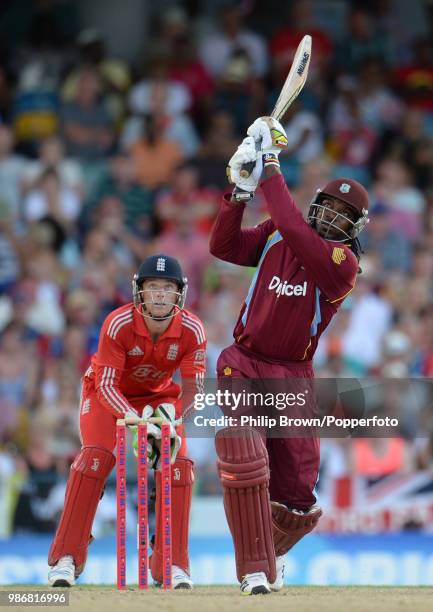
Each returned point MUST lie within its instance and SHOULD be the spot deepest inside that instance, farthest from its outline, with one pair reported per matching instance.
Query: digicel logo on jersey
(283, 288)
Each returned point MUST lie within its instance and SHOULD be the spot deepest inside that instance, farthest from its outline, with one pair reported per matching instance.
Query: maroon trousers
(293, 461)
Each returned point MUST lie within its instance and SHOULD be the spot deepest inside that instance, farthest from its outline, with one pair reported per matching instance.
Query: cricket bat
(292, 87)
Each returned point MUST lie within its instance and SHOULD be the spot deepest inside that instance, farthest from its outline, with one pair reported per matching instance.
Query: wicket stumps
(143, 516)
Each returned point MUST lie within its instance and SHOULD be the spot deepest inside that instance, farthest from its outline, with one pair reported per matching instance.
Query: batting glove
(269, 137)
(246, 153)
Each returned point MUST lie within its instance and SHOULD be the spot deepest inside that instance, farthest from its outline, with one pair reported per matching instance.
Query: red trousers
(98, 425)
(293, 462)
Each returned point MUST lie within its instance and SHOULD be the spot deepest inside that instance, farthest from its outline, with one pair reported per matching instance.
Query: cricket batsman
(304, 271)
(141, 345)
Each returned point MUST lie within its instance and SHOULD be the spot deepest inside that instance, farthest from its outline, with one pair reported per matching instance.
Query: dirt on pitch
(219, 598)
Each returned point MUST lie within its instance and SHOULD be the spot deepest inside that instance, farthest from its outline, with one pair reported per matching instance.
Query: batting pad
(290, 526)
(243, 469)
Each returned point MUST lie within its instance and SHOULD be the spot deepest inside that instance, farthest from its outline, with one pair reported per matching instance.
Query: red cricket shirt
(129, 369)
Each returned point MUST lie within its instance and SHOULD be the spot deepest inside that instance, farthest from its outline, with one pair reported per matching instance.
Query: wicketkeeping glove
(245, 153)
(269, 136)
(167, 412)
(153, 433)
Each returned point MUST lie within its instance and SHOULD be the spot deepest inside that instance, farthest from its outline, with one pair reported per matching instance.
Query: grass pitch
(217, 598)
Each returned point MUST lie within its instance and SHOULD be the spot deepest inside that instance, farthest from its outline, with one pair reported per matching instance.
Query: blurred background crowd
(105, 159)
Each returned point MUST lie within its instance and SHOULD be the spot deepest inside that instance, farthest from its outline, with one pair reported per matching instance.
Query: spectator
(75, 354)
(9, 254)
(155, 157)
(51, 157)
(57, 409)
(109, 217)
(238, 93)
(352, 139)
(299, 20)
(87, 126)
(414, 81)
(396, 353)
(171, 100)
(361, 41)
(424, 342)
(192, 251)
(12, 168)
(18, 369)
(33, 511)
(219, 48)
(81, 311)
(113, 72)
(373, 312)
(119, 181)
(5, 95)
(185, 193)
(51, 199)
(394, 187)
(45, 314)
(409, 142)
(304, 134)
(186, 68)
(391, 246)
(379, 107)
(313, 175)
(218, 146)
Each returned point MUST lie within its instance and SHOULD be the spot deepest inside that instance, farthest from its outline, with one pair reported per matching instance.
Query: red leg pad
(83, 492)
(243, 469)
(182, 479)
(290, 526)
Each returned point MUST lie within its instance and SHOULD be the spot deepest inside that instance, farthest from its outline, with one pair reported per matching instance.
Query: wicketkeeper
(141, 345)
(304, 270)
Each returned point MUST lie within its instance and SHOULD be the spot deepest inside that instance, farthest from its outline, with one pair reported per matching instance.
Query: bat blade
(292, 87)
(296, 78)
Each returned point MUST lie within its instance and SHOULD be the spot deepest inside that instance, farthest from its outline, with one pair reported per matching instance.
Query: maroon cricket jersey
(300, 281)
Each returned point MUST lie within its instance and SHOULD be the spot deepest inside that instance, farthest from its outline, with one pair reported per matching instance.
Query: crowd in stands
(103, 162)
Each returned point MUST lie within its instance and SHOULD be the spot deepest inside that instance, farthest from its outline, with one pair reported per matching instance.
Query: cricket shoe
(279, 580)
(63, 573)
(179, 579)
(255, 584)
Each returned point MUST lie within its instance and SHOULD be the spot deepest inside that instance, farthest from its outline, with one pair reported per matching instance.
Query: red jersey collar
(174, 330)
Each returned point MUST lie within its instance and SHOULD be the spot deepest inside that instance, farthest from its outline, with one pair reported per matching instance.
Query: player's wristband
(242, 196)
(270, 159)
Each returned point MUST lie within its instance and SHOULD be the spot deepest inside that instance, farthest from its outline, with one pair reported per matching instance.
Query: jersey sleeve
(332, 265)
(109, 364)
(193, 368)
(231, 243)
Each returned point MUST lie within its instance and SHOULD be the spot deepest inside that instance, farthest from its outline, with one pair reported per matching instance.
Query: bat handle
(247, 169)
(249, 166)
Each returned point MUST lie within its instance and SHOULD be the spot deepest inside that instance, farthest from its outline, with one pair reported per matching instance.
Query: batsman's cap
(349, 191)
(161, 266)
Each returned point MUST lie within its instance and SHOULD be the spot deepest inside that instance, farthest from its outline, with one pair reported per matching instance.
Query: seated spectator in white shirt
(217, 49)
(50, 199)
(52, 157)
